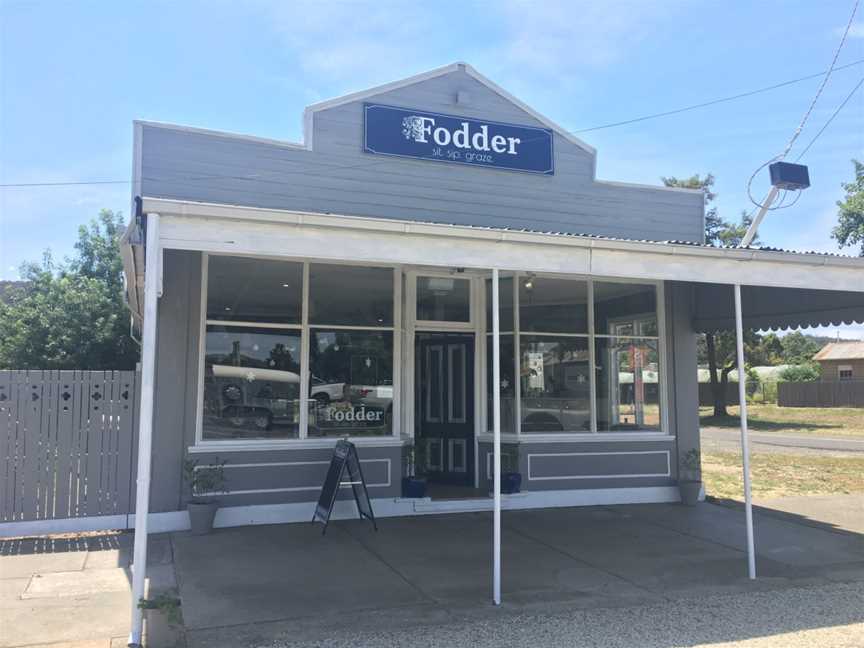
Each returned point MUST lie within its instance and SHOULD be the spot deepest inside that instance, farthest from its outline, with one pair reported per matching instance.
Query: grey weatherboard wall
(175, 417)
(176, 414)
(337, 177)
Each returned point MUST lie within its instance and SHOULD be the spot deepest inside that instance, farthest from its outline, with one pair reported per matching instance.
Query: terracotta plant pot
(201, 516)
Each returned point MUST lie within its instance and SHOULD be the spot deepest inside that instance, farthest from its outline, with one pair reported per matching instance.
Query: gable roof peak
(458, 66)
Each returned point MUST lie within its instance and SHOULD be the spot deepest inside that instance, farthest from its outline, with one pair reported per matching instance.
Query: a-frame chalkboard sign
(344, 456)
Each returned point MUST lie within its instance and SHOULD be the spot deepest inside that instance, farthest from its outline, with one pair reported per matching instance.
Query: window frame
(304, 327)
(663, 433)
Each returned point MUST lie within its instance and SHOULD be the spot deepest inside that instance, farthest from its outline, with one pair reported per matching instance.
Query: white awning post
(496, 443)
(152, 283)
(745, 444)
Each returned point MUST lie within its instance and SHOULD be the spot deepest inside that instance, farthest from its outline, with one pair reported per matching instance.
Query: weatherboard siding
(337, 177)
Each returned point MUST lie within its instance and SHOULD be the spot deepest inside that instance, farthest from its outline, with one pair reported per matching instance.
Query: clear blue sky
(73, 76)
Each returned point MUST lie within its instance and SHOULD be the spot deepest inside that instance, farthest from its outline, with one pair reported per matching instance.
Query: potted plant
(412, 484)
(690, 477)
(511, 478)
(203, 482)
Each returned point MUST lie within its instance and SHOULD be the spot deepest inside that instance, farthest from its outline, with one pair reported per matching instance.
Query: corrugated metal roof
(522, 230)
(841, 351)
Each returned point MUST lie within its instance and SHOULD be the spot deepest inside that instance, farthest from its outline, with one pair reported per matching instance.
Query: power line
(64, 184)
(742, 95)
(831, 118)
(721, 100)
(782, 156)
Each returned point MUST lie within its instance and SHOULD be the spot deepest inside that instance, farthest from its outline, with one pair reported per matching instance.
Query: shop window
(351, 385)
(628, 384)
(251, 383)
(443, 299)
(505, 304)
(552, 305)
(508, 384)
(555, 384)
(625, 309)
(342, 295)
(254, 290)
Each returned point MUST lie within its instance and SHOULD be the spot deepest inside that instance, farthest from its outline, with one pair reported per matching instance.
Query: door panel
(445, 406)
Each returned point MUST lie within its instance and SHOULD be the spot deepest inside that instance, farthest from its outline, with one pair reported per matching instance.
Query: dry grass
(820, 421)
(779, 475)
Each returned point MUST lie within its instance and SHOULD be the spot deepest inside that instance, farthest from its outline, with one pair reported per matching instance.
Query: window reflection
(555, 384)
(345, 295)
(508, 384)
(618, 306)
(553, 305)
(628, 394)
(254, 290)
(351, 386)
(251, 383)
(443, 299)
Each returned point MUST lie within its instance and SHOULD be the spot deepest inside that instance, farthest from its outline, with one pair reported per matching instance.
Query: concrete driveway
(289, 585)
(254, 586)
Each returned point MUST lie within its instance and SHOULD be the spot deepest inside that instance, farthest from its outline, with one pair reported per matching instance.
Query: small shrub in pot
(690, 477)
(203, 482)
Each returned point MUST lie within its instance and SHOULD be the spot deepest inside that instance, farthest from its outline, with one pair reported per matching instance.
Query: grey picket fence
(67, 444)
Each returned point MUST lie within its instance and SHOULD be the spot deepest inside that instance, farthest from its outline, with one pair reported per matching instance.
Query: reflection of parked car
(324, 392)
(255, 396)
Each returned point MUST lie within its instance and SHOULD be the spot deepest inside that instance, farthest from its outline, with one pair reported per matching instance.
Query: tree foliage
(850, 226)
(718, 231)
(71, 315)
(801, 373)
(718, 349)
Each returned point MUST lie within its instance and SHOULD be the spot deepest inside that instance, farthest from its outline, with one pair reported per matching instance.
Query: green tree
(799, 348)
(850, 226)
(719, 347)
(71, 315)
(801, 373)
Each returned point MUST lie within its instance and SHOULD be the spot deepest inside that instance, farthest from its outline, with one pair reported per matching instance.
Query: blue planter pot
(413, 487)
(511, 482)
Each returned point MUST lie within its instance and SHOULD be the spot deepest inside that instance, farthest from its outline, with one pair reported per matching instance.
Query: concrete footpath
(630, 567)
(74, 591)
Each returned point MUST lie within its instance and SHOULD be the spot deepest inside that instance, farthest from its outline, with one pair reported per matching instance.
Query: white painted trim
(210, 447)
(333, 222)
(583, 437)
(295, 489)
(254, 514)
(667, 453)
(64, 525)
(639, 185)
(153, 260)
(218, 133)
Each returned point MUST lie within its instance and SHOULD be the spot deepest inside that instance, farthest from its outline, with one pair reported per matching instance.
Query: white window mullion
(304, 357)
(592, 359)
(396, 406)
(517, 353)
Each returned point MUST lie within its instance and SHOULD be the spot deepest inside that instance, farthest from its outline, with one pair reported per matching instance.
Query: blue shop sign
(460, 140)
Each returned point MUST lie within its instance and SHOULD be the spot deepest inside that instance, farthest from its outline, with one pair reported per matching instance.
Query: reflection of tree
(334, 364)
(282, 358)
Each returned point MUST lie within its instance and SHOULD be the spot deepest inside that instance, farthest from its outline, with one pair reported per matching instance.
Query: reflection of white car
(324, 392)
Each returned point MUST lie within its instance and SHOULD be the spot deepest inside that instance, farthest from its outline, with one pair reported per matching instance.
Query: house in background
(841, 361)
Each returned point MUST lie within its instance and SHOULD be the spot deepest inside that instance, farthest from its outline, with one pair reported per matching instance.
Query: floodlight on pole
(784, 176)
